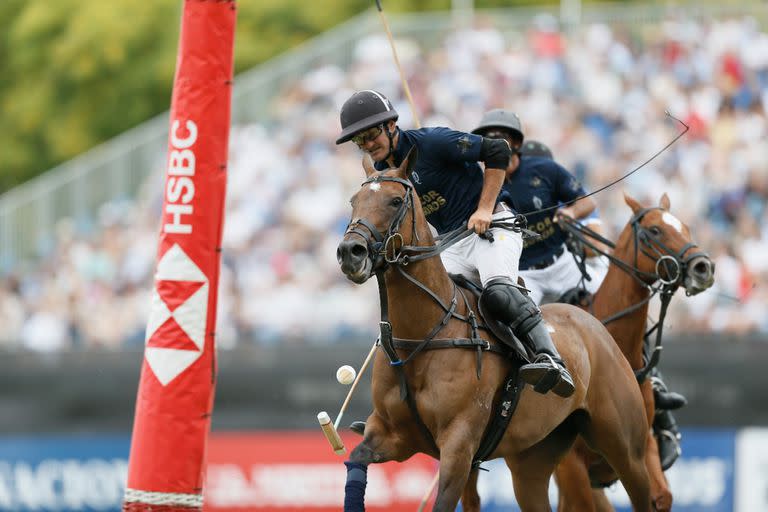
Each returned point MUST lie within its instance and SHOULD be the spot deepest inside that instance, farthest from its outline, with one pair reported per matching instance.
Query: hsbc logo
(177, 320)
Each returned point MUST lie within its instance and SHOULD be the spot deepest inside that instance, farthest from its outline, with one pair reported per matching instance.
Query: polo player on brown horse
(654, 255)
(441, 401)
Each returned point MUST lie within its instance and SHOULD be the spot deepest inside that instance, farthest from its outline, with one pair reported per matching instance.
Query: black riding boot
(667, 437)
(665, 399)
(664, 425)
(509, 305)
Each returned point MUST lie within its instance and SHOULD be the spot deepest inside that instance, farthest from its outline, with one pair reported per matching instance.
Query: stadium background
(77, 244)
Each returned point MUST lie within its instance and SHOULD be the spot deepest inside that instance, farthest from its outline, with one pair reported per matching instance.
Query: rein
(674, 263)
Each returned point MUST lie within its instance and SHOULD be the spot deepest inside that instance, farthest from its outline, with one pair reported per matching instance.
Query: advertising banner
(752, 470)
(299, 471)
(291, 471)
(66, 474)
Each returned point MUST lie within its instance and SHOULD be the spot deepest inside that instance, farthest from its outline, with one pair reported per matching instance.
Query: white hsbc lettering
(180, 189)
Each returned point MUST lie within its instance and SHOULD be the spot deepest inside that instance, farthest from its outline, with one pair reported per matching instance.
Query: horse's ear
(409, 162)
(632, 203)
(368, 165)
(664, 201)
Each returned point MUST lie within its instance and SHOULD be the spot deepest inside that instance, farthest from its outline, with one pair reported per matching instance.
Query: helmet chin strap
(390, 136)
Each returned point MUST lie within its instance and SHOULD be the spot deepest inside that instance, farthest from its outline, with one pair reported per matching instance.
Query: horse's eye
(655, 231)
(397, 201)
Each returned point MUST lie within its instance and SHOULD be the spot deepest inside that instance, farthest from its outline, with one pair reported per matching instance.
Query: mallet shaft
(354, 385)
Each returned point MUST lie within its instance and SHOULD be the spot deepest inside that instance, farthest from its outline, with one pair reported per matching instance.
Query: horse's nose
(351, 253)
(703, 269)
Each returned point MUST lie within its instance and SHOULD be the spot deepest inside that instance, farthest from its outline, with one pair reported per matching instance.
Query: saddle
(497, 328)
(512, 385)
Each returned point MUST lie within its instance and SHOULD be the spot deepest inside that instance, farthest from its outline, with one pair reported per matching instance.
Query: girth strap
(484, 345)
(502, 414)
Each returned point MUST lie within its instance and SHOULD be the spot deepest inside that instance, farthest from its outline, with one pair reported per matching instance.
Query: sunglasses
(367, 136)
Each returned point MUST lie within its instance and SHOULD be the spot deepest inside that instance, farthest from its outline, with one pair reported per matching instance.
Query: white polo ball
(345, 374)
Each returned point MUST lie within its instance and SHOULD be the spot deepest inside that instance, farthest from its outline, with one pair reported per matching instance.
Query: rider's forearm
(493, 179)
(583, 207)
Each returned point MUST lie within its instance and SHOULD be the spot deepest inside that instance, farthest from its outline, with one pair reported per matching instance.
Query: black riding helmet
(499, 118)
(536, 148)
(364, 110)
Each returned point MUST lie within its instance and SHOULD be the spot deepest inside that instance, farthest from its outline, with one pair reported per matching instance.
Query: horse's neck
(620, 292)
(412, 312)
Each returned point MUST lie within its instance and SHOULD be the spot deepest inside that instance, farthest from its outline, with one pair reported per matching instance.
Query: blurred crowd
(596, 95)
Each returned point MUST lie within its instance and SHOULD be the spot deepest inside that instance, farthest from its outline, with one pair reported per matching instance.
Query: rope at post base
(149, 501)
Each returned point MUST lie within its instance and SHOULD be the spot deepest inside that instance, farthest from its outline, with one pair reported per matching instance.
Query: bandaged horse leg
(381, 444)
(354, 490)
(502, 299)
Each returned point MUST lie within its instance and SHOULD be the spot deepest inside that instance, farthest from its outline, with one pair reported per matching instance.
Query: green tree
(74, 73)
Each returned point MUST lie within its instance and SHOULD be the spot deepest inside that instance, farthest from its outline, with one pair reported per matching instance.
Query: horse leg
(532, 468)
(470, 498)
(621, 439)
(456, 451)
(601, 501)
(379, 445)
(574, 488)
(660, 493)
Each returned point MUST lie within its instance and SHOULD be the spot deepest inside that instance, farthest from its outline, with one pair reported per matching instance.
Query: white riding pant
(548, 284)
(479, 260)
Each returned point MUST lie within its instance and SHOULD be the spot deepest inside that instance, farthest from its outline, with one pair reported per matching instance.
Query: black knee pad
(509, 305)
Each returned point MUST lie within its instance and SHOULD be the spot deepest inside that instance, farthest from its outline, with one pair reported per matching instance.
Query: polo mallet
(397, 63)
(331, 429)
(416, 122)
(429, 492)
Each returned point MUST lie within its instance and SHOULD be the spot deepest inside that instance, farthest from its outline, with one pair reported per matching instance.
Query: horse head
(385, 203)
(660, 247)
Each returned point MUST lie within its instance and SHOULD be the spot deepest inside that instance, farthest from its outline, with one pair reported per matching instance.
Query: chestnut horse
(441, 401)
(654, 253)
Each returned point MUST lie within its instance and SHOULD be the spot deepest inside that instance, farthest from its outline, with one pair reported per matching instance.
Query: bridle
(384, 249)
(669, 270)
(673, 263)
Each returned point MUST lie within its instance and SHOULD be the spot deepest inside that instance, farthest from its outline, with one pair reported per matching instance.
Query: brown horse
(655, 248)
(450, 398)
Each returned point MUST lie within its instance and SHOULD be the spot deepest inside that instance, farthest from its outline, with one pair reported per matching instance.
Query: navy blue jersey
(447, 176)
(540, 183)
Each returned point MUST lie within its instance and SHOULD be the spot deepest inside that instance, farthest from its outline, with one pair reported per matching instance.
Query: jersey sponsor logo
(537, 202)
(464, 144)
(545, 228)
(432, 201)
(176, 328)
(535, 181)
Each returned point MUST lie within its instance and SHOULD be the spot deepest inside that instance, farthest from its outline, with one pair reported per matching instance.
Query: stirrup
(545, 374)
(669, 447)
